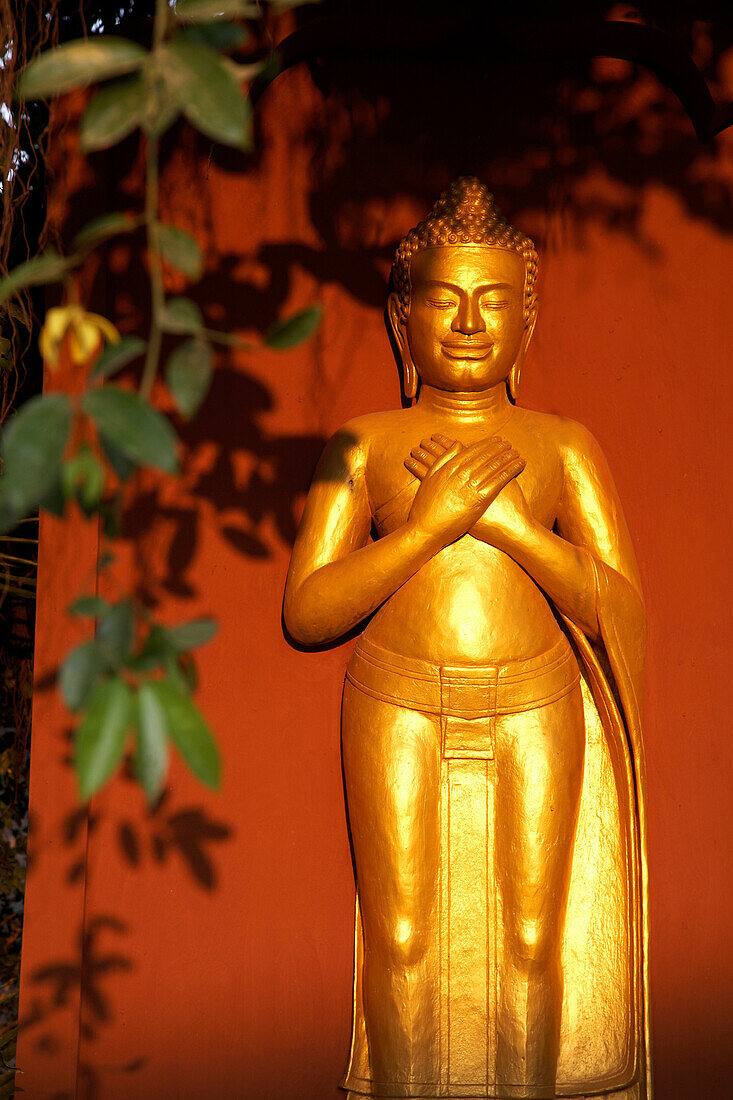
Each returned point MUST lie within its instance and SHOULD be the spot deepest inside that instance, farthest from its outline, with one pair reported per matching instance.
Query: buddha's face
(466, 321)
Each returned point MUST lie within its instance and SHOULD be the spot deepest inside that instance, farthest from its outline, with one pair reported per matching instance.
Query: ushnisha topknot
(465, 213)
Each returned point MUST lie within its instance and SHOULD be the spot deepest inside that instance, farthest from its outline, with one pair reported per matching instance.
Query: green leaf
(134, 426)
(102, 228)
(82, 479)
(188, 375)
(116, 356)
(120, 463)
(181, 250)
(100, 739)
(162, 105)
(159, 120)
(188, 730)
(219, 36)
(46, 268)
(271, 68)
(53, 499)
(151, 757)
(230, 340)
(32, 445)
(192, 634)
(115, 111)
(208, 93)
(115, 632)
(201, 11)
(83, 61)
(89, 605)
(183, 678)
(294, 330)
(79, 673)
(156, 650)
(181, 315)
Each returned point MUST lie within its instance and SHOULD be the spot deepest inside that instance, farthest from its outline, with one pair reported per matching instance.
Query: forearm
(336, 596)
(564, 571)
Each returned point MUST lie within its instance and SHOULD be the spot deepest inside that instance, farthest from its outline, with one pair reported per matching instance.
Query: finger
(481, 446)
(448, 456)
(503, 476)
(443, 440)
(423, 456)
(473, 456)
(434, 448)
(419, 469)
(492, 465)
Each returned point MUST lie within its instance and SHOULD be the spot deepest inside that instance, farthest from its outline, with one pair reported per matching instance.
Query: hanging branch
(132, 685)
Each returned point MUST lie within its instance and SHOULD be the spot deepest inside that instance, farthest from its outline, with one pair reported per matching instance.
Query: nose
(468, 319)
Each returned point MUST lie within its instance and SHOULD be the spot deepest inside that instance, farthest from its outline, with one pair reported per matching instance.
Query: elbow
(300, 622)
(295, 623)
(302, 632)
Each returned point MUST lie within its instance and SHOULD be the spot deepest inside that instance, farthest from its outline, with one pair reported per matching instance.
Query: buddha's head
(463, 305)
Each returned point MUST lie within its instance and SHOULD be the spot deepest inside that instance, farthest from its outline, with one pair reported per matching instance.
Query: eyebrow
(460, 290)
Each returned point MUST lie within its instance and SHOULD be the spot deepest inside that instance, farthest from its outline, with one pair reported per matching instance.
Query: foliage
(131, 685)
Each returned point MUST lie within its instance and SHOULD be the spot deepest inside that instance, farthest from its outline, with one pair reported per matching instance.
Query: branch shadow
(538, 133)
(248, 482)
(86, 977)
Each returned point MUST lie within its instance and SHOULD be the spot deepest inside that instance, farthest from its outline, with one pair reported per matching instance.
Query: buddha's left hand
(506, 518)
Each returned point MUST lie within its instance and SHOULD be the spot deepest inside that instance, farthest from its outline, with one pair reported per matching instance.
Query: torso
(471, 604)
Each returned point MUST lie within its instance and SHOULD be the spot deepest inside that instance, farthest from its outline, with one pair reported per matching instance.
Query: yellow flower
(85, 333)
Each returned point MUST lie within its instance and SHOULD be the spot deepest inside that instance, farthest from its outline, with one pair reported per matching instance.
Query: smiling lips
(475, 349)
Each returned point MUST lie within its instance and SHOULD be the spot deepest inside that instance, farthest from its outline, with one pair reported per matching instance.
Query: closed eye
(492, 304)
(440, 303)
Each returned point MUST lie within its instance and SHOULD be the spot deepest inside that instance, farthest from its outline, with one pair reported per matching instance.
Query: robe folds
(604, 1038)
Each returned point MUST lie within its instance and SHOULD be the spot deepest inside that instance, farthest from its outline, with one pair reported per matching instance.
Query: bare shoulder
(569, 439)
(373, 428)
(348, 450)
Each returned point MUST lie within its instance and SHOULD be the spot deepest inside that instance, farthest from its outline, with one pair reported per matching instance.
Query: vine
(131, 685)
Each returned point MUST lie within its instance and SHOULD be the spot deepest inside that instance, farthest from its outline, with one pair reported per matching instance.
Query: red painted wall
(213, 939)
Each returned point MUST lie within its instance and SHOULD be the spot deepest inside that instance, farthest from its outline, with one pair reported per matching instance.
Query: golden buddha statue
(491, 739)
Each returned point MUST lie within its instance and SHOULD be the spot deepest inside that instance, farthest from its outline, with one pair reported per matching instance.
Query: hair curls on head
(465, 213)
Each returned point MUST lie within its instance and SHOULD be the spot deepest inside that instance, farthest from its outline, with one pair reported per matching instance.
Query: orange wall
(216, 959)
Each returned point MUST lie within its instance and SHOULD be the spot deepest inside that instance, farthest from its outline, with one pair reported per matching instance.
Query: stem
(152, 181)
(229, 340)
(157, 293)
(160, 26)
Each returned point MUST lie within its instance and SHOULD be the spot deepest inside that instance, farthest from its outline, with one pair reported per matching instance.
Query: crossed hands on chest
(468, 489)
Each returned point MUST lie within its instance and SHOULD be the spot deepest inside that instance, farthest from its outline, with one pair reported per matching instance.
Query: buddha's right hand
(457, 487)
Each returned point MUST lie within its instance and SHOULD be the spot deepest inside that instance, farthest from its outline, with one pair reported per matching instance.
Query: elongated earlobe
(515, 374)
(409, 373)
(409, 377)
(513, 380)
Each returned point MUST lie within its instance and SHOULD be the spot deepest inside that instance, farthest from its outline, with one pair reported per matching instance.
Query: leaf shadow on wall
(252, 483)
(585, 143)
(183, 836)
(84, 978)
(582, 138)
(523, 102)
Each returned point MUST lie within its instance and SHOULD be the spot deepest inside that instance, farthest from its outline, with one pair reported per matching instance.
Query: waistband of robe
(463, 691)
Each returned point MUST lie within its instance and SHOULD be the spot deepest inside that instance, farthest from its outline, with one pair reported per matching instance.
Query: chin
(467, 380)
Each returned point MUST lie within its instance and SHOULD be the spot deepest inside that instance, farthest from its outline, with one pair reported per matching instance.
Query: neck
(491, 404)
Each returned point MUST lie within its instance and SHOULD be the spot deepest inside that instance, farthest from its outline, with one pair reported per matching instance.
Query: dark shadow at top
(425, 95)
(528, 104)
